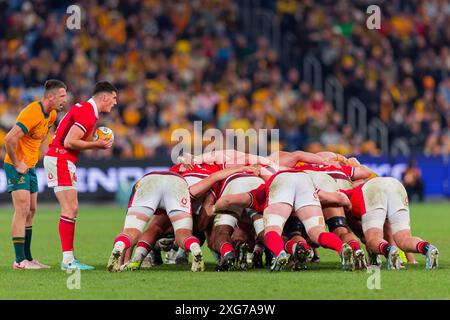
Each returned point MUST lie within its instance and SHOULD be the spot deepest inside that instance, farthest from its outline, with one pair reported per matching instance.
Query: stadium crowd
(179, 61)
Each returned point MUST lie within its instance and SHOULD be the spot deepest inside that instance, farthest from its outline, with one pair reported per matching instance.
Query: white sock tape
(225, 219)
(313, 222)
(274, 220)
(258, 225)
(185, 223)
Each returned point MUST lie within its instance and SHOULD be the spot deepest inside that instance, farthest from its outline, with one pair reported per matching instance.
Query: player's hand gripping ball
(103, 133)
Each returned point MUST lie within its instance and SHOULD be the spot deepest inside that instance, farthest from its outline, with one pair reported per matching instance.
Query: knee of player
(71, 211)
(32, 211)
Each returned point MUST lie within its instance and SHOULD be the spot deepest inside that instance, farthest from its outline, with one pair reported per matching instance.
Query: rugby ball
(103, 133)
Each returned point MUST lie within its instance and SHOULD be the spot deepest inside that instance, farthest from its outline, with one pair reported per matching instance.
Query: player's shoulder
(32, 112)
(32, 107)
(82, 105)
(83, 109)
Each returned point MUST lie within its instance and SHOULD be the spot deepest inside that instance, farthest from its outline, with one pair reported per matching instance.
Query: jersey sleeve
(348, 171)
(215, 189)
(175, 168)
(28, 119)
(83, 118)
(258, 198)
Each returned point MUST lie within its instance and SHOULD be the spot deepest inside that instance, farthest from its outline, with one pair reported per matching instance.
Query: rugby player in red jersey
(325, 178)
(384, 199)
(70, 138)
(257, 200)
(169, 191)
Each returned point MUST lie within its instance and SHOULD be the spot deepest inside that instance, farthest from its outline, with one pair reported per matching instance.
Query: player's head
(105, 95)
(56, 94)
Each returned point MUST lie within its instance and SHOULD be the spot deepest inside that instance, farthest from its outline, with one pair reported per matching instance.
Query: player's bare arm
(242, 200)
(74, 141)
(361, 172)
(199, 188)
(11, 141)
(334, 199)
(290, 159)
(229, 158)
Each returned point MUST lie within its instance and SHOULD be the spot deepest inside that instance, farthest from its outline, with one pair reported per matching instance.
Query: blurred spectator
(180, 61)
(412, 180)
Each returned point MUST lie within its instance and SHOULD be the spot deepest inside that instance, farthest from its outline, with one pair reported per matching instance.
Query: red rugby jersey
(84, 115)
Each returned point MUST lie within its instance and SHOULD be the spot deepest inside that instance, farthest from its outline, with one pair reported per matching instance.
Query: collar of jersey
(43, 111)
(94, 105)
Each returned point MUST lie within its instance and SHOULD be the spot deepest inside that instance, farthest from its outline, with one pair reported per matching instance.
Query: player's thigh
(322, 181)
(375, 194)
(398, 207)
(242, 184)
(21, 201)
(61, 173)
(15, 180)
(148, 192)
(282, 189)
(68, 199)
(373, 219)
(175, 195)
(305, 193)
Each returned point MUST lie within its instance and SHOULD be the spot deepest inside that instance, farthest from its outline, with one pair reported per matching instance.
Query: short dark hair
(104, 86)
(52, 84)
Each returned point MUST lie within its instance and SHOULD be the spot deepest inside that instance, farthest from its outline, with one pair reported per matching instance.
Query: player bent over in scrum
(169, 191)
(323, 178)
(274, 223)
(384, 198)
(290, 190)
(226, 221)
(155, 190)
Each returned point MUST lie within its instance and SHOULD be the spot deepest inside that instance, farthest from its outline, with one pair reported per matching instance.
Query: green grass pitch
(97, 227)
